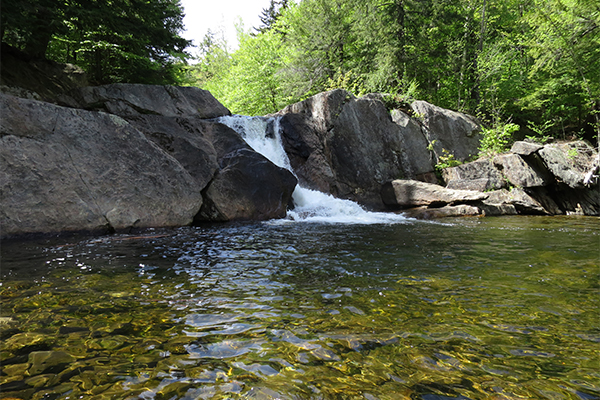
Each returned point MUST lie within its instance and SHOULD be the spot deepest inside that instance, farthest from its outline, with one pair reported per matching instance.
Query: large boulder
(349, 147)
(247, 187)
(523, 171)
(449, 131)
(481, 175)
(70, 170)
(569, 162)
(130, 100)
(184, 139)
(237, 183)
(67, 169)
(417, 160)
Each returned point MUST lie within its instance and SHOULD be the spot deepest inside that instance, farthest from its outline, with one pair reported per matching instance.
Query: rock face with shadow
(129, 156)
(349, 147)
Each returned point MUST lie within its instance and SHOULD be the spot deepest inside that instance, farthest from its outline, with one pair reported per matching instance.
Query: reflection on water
(504, 308)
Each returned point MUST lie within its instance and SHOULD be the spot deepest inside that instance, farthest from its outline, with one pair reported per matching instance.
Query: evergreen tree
(120, 40)
(270, 15)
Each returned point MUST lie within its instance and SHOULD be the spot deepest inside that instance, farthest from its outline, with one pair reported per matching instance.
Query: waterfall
(263, 135)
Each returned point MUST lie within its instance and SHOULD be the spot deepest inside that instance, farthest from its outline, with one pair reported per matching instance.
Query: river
(331, 302)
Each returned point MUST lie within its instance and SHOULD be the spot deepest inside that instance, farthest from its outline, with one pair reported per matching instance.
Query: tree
(564, 44)
(271, 15)
(118, 40)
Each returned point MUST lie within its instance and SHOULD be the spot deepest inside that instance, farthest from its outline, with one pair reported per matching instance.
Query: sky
(220, 15)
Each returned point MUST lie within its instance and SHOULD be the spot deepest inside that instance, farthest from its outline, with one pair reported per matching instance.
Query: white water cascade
(263, 135)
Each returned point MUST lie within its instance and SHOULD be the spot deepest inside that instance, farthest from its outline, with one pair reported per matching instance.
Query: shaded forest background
(524, 67)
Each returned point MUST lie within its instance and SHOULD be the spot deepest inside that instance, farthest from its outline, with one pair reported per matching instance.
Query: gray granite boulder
(568, 162)
(130, 100)
(457, 133)
(481, 175)
(343, 146)
(68, 170)
(524, 172)
(350, 147)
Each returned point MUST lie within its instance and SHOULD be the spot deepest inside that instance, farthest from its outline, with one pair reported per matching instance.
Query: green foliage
(496, 139)
(114, 41)
(251, 80)
(532, 61)
(541, 131)
(446, 160)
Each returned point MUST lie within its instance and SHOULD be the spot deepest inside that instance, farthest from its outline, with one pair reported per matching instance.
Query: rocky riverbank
(530, 179)
(124, 156)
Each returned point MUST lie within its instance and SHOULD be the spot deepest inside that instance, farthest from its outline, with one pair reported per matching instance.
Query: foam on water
(263, 135)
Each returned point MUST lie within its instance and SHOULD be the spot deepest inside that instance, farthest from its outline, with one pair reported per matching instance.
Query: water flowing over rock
(67, 169)
(349, 147)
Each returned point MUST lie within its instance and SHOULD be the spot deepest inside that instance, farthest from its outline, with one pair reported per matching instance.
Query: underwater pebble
(42, 361)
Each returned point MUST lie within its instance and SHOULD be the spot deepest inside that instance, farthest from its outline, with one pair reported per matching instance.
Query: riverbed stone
(48, 361)
(25, 342)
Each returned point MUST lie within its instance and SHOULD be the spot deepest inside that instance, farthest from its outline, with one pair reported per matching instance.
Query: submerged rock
(48, 361)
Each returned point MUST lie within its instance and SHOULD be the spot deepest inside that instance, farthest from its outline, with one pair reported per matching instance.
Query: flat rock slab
(410, 193)
(461, 210)
(525, 148)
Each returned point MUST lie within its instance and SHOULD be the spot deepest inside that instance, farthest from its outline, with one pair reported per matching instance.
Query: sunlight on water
(495, 308)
